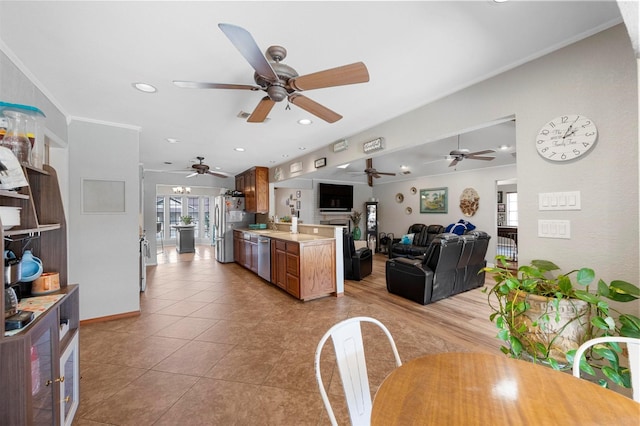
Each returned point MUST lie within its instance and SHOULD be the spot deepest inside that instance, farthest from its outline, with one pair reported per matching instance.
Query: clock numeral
(539, 141)
(586, 145)
(564, 156)
(544, 132)
(544, 149)
(576, 152)
(590, 133)
(552, 124)
(565, 119)
(586, 124)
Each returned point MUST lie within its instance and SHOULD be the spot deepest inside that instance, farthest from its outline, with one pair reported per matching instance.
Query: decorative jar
(16, 138)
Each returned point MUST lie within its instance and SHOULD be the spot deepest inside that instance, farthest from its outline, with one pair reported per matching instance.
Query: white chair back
(349, 349)
(633, 347)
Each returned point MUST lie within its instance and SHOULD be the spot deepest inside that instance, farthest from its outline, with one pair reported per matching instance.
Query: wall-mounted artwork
(103, 196)
(433, 200)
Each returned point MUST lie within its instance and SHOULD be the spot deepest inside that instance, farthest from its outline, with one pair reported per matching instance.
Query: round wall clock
(566, 137)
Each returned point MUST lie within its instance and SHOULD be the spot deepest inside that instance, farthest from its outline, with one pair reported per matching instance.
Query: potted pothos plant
(544, 317)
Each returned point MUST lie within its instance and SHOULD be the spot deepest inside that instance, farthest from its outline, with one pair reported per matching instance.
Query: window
(193, 210)
(170, 208)
(512, 209)
(175, 212)
(159, 217)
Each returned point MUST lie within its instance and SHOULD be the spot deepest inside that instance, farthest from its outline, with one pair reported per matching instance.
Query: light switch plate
(559, 200)
(554, 229)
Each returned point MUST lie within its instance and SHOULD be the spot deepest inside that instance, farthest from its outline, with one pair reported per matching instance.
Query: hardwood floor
(462, 320)
(217, 345)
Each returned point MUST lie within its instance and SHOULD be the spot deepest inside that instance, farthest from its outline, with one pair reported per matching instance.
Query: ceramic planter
(559, 329)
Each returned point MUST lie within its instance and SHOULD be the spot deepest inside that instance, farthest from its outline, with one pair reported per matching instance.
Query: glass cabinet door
(42, 388)
(70, 383)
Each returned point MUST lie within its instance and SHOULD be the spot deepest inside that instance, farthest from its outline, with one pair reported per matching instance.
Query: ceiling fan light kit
(279, 80)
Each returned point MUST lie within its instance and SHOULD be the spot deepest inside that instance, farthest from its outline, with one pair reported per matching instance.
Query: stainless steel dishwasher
(264, 258)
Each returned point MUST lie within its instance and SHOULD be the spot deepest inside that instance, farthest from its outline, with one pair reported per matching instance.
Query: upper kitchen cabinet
(254, 183)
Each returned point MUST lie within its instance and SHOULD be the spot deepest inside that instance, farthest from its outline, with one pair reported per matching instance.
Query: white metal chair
(347, 342)
(633, 346)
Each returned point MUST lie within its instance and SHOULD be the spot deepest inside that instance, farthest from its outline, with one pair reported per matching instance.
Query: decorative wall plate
(469, 202)
(413, 190)
(399, 198)
(408, 210)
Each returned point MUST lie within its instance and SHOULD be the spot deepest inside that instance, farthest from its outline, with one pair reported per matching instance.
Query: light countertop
(285, 235)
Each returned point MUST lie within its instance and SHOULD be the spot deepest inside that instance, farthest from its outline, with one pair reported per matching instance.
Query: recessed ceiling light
(403, 167)
(285, 155)
(343, 166)
(504, 147)
(168, 162)
(239, 149)
(272, 161)
(218, 168)
(304, 121)
(301, 148)
(145, 87)
(172, 140)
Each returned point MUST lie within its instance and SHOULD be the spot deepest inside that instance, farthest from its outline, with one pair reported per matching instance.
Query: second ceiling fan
(279, 80)
(460, 154)
(373, 173)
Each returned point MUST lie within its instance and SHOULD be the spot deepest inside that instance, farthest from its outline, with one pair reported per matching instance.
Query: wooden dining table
(476, 388)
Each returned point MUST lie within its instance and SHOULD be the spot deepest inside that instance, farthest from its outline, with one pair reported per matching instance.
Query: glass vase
(356, 233)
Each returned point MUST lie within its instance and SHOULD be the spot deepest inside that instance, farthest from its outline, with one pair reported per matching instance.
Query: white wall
(309, 212)
(103, 248)
(596, 77)
(392, 216)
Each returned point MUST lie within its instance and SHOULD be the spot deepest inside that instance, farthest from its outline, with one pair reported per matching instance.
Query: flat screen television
(337, 198)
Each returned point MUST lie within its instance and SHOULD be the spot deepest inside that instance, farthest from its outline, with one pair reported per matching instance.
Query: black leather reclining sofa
(423, 235)
(451, 265)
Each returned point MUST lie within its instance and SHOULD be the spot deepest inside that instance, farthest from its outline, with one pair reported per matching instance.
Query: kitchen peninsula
(302, 264)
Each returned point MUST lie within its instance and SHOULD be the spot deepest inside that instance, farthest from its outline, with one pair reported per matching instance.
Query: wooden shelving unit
(39, 368)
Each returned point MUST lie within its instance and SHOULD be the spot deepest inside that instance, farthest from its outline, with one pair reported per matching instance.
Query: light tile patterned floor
(217, 345)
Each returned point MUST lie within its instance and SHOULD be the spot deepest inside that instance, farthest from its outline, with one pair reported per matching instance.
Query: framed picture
(320, 162)
(298, 204)
(502, 208)
(434, 200)
(499, 197)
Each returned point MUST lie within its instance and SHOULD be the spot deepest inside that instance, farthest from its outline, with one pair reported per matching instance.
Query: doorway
(507, 220)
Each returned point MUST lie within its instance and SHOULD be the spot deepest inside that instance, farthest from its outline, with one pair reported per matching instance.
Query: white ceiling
(85, 56)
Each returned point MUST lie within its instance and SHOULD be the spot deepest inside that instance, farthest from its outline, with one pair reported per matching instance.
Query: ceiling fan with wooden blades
(373, 173)
(281, 81)
(203, 169)
(460, 154)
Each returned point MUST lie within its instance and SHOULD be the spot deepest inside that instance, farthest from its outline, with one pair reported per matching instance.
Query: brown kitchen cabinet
(39, 369)
(238, 247)
(306, 270)
(254, 183)
(245, 250)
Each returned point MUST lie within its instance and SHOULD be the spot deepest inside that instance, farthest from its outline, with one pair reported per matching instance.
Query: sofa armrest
(362, 253)
(408, 261)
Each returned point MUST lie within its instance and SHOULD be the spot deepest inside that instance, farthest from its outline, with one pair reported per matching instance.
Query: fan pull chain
(288, 107)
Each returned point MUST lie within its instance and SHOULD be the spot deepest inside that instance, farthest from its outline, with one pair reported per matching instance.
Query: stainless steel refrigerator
(228, 214)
